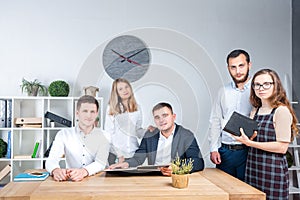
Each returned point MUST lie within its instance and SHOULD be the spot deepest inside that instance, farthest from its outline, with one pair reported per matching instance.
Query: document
(33, 176)
(138, 169)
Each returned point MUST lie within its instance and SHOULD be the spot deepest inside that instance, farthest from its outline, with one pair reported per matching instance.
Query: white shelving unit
(24, 139)
(294, 171)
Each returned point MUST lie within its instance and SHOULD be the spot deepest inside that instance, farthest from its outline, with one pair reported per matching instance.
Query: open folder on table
(138, 169)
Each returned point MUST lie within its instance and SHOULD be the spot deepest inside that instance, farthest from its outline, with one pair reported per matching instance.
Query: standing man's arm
(215, 129)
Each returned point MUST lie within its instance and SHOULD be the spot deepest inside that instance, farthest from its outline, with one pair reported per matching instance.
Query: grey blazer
(184, 145)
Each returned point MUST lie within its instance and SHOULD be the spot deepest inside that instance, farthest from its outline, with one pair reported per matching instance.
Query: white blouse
(124, 132)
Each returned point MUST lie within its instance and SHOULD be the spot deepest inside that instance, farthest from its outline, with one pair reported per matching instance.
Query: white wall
(189, 41)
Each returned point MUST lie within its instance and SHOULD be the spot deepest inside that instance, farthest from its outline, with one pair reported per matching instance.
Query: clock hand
(125, 58)
(120, 55)
(131, 61)
(135, 53)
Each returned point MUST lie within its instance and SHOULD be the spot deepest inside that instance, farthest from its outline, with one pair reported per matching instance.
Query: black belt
(234, 146)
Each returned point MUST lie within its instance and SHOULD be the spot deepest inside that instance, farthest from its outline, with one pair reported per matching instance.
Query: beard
(244, 78)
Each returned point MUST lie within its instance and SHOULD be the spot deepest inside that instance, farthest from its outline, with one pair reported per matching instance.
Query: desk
(202, 185)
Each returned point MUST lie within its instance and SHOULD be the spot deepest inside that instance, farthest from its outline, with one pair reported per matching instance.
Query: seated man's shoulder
(182, 130)
(151, 133)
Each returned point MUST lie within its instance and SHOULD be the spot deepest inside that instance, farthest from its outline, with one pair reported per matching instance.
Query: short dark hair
(87, 99)
(161, 105)
(235, 53)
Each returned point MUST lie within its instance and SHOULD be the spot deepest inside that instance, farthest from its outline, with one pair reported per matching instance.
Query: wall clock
(126, 56)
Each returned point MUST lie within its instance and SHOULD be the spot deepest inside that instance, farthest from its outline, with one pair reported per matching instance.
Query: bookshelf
(23, 139)
(294, 170)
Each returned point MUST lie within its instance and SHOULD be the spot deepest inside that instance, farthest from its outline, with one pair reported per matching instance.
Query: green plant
(97, 121)
(182, 166)
(59, 88)
(289, 159)
(3, 148)
(33, 87)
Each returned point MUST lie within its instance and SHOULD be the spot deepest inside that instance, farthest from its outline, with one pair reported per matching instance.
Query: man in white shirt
(228, 154)
(165, 143)
(84, 146)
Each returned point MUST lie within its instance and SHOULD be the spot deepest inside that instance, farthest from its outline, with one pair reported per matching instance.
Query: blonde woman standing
(123, 123)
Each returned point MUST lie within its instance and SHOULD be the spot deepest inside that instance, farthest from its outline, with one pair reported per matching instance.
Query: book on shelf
(5, 171)
(35, 152)
(8, 153)
(24, 156)
(36, 149)
(30, 126)
(32, 176)
(28, 122)
(9, 112)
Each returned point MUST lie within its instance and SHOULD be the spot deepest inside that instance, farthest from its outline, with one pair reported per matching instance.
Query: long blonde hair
(278, 97)
(115, 102)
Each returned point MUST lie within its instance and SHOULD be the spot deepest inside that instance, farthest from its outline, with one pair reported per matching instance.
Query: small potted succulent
(33, 88)
(97, 121)
(59, 88)
(180, 172)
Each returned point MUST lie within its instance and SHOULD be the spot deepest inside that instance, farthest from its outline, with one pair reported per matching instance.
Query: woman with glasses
(267, 168)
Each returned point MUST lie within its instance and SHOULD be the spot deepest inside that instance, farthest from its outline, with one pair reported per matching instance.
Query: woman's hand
(151, 128)
(243, 138)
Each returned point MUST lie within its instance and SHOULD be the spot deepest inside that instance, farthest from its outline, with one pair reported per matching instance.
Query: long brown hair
(115, 103)
(278, 97)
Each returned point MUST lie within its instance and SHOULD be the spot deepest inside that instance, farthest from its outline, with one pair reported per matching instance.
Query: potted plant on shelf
(97, 121)
(33, 87)
(59, 88)
(180, 172)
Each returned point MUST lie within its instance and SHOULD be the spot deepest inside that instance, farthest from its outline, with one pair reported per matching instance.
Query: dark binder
(238, 121)
(3, 113)
(58, 119)
(8, 113)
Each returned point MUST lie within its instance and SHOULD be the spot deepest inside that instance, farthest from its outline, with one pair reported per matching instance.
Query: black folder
(238, 121)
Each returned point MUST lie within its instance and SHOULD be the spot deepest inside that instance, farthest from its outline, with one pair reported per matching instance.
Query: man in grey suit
(165, 143)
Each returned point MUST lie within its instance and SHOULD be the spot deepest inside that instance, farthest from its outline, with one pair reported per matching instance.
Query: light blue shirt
(229, 99)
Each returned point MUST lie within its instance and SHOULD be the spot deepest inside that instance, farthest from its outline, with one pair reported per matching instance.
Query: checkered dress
(267, 171)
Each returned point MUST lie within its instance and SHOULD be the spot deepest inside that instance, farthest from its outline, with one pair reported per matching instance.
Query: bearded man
(228, 154)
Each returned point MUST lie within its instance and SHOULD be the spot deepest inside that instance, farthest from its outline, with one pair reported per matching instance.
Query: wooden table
(209, 184)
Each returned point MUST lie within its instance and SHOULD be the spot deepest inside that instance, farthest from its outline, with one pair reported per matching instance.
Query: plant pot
(34, 91)
(180, 181)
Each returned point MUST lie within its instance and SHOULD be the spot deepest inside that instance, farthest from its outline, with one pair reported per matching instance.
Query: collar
(172, 134)
(79, 131)
(247, 85)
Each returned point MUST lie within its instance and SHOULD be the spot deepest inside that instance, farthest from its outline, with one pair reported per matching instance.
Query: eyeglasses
(265, 85)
